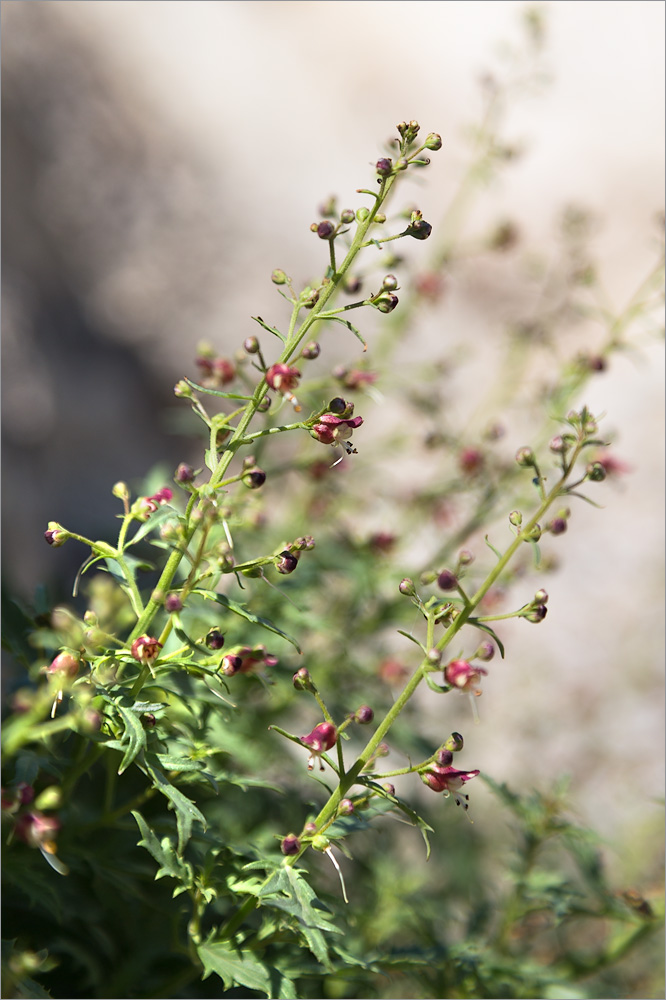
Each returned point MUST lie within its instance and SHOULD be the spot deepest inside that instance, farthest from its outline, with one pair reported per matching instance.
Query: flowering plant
(157, 720)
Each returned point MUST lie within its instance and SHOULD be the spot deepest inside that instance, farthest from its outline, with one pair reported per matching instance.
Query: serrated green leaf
(486, 628)
(186, 811)
(287, 890)
(163, 852)
(173, 763)
(242, 612)
(134, 735)
(233, 966)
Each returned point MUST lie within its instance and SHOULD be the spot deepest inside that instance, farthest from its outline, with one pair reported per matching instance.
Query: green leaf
(135, 735)
(270, 329)
(413, 639)
(350, 326)
(486, 628)
(164, 853)
(242, 611)
(581, 496)
(287, 890)
(165, 513)
(216, 392)
(186, 811)
(492, 547)
(233, 966)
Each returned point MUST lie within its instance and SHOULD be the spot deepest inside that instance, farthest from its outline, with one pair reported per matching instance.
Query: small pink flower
(449, 781)
(64, 665)
(248, 657)
(611, 465)
(330, 429)
(145, 649)
(357, 378)
(282, 378)
(37, 830)
(322, 738)
(146, 506)
(462, 675)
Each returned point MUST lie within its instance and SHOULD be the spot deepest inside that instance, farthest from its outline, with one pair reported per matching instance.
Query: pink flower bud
(322, 738)
(145, 649)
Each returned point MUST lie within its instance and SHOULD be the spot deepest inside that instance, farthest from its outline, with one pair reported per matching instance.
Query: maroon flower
(250, 657)
(146, 506)
(465, 677)
(330, 429)
(449, 781)
(282, 378)
(145, 649)
(322, 738)
(64, 665)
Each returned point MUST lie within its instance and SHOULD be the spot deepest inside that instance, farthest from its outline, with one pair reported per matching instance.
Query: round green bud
(516, 518)
(278, 277)
(433, 141)
(362, 214)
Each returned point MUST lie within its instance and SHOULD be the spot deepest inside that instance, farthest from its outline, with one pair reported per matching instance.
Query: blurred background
(160, 159)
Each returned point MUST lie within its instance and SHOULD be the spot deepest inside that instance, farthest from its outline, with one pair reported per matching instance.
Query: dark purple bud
(265, 404)
(447, 580)
(454, 743)
(56, 534)
(444, 757)
(251, 345)
(254, 478)
(148, 720)
(557, 526)
(337, 405)
(287, 562)
(290, 844)
(364, 715)
(486, 651)
(173, 603)
(352, 285)
(325, 230)
(595, 472)
(214, 639)
(384, 166)
(419, 229)
(184, 473)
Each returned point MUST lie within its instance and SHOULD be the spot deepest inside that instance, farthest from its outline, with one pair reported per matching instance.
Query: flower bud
(516, 518)
(407, 588)
(347, 216)
(56, 535)
(486, 651)
(384, 166)
(558, 444)
(352, 284)
(337, 405)
(390, 283)
(444, 757)
(254, 478)
(362, 213)
(525, 458)
(465, 557)
(385, 302)
(325, 230)
(230, 664)
(388, 787)
(557, 526)
(214, 639)
(595, 472)
(541, 597)
(251, 345)
(290, 844)
(310, 828)
(419, 229)
(454, 743)
(302, 680)
(311, 351)
(447, 580)
(537, 614)
(182, 390)
(173, 603)
(434, 656)
(278, 277)
(433, 141)
(64, 665)
(184, 473)
(535, 533)
(286, 562)
(364, 715)
(346, 807)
